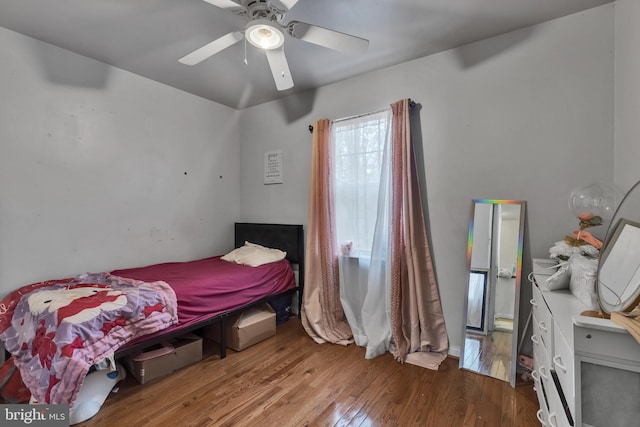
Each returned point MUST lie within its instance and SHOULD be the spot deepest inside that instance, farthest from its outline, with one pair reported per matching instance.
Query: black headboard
(286, 237)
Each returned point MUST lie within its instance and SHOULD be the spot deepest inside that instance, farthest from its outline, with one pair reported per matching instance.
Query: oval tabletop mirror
(494, 259)
(618, 282)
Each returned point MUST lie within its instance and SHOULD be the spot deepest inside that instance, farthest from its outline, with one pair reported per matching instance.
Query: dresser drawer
(544, 319)
(562, 363)
(557, 415)
(542, 372)
(551, 410)
(597, 342)
(543, 412)
(540, 351)
(537, 302)
(552, 413)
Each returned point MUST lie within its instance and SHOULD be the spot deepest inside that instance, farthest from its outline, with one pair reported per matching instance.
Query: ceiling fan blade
(225, 4)
(288, 3)
(212, 48)
(327, 38)
(279, 69)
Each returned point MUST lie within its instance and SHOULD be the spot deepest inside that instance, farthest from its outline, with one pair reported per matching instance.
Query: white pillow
(254, 255)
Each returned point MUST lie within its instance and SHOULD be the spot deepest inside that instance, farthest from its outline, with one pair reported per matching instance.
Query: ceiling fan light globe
(264, 35)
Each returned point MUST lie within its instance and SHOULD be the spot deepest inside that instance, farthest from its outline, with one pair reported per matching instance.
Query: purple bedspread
(210, 286)
(56, 330)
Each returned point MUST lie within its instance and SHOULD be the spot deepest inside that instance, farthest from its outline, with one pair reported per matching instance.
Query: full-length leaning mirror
(494, 258)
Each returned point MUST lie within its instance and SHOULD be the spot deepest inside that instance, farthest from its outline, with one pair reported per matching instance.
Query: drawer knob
(535, 376)
(588, 336)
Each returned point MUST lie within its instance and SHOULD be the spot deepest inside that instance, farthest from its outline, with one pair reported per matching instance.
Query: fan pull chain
(245, 51)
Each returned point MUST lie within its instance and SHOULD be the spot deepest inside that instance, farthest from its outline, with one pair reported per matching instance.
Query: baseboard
(454, 351)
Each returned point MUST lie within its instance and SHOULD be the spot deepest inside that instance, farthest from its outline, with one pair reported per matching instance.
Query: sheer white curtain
(362, 179)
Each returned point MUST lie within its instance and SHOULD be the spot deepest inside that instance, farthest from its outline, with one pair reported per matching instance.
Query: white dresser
(586, 370)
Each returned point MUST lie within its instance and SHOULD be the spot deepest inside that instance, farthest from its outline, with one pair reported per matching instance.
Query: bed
(286, 237)
(57, 330)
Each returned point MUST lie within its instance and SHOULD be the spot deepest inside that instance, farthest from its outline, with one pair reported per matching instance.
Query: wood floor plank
(289, 380)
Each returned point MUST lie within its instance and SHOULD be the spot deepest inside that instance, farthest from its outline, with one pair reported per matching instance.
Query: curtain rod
(411, 105)
(360, 115)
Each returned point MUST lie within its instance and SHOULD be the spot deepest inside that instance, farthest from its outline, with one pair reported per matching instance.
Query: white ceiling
(147, 37)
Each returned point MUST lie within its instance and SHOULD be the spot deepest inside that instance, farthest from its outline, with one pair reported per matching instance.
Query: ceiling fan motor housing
(262, 9)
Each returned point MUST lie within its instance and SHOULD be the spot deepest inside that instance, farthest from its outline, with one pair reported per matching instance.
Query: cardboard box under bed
(162, 360)
(246, 328)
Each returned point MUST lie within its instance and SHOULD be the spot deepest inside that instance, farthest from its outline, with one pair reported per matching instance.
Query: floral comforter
(56, 330)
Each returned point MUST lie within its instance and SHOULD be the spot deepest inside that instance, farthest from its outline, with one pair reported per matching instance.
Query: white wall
(101, 169)
(627, 93)
(527, 115)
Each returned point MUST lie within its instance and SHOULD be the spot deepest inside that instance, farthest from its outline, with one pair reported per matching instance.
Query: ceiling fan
(265, 30)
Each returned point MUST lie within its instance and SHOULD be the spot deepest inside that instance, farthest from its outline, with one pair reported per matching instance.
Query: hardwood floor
(288, 380)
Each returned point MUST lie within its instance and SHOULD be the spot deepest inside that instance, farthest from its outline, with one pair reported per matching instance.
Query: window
(359, 146)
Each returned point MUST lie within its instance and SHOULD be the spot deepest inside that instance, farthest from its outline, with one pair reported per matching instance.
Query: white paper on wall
(273, 164)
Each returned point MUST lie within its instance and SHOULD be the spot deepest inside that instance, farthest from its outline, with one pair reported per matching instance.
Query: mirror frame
(623, 304)
(518, 280)
(618, 221)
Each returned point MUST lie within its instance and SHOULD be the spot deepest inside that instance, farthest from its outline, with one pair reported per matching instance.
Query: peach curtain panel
(322, 314)
(417, 322)
(418, 332)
